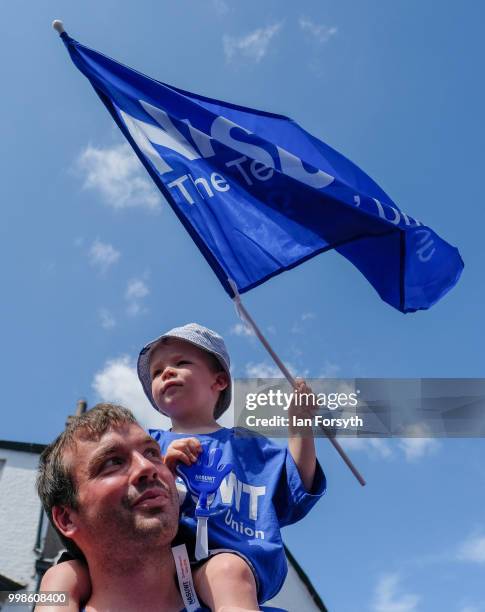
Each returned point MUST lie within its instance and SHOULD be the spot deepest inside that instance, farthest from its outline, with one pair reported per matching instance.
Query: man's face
(183, 383)
(124, 490)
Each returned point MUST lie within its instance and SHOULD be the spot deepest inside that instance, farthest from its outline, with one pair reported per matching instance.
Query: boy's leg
(226, 581)
(70, 576)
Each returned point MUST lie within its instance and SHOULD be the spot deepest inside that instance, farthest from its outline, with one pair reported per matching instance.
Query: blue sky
(94, 263)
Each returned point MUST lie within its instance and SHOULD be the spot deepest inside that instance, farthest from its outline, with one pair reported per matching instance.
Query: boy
(185, 375)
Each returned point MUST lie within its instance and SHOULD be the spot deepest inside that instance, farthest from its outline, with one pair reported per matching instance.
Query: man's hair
(55, 483)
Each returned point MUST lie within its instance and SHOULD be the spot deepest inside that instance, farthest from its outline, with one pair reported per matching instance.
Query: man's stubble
(125, 536)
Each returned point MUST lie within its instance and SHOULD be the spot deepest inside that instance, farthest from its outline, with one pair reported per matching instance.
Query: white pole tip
(58, 26)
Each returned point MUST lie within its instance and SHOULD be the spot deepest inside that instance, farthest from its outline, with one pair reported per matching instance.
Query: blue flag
(260, 195)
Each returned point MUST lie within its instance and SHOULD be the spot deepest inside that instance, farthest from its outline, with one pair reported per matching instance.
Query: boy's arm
(300, 438)
(71, 577)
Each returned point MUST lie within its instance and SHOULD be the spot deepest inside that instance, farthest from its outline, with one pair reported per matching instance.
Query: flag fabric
(259, 195)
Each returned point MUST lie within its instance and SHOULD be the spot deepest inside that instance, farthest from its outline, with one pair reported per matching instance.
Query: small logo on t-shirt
(204, 478)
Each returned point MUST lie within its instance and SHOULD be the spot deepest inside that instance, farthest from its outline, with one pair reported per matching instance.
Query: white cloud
(330, 370)
(300, 327)
(136, 291)
(221, 7)
(118, 176)
(48, 267)
(477, 606)
(117, 382)
(107, 319)
(241, 329)
(102, 255)
(413, 448)
(418, 446)
(387, 599)
(319, 32)
(372, 446)
(264, 369)
(473, 550)
(253, 46)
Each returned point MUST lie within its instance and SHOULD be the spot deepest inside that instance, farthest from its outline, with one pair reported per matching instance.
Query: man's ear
(63, 518)
(221, 381)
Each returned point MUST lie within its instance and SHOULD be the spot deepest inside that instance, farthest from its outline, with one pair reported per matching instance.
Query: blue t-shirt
(263, 493)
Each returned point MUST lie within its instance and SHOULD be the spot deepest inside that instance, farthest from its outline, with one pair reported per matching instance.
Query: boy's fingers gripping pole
(246, 317)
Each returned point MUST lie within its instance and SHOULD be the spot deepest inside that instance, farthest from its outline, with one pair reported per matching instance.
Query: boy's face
(183, 383)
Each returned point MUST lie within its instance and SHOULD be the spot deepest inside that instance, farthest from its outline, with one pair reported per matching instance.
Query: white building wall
(19, 516)
(294, 595)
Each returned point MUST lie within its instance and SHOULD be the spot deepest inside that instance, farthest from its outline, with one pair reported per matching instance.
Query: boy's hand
(184, 450)
(300, 440)
(302, 406)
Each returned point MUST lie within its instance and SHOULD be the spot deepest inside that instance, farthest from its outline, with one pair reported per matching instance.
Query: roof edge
(26, 447)
(306, 581)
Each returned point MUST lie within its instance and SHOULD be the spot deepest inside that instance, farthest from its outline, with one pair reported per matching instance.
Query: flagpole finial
(58, 26)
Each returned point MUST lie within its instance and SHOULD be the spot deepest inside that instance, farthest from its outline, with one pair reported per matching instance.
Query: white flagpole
(245, 316)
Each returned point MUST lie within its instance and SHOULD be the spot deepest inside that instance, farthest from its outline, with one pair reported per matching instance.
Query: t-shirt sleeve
(71, 554)
(158, 435)
(292, 501)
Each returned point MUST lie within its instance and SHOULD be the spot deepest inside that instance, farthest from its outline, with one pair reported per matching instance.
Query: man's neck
(145, 582)
(194, 426)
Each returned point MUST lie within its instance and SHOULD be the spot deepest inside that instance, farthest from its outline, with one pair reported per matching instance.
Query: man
(106, 489)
